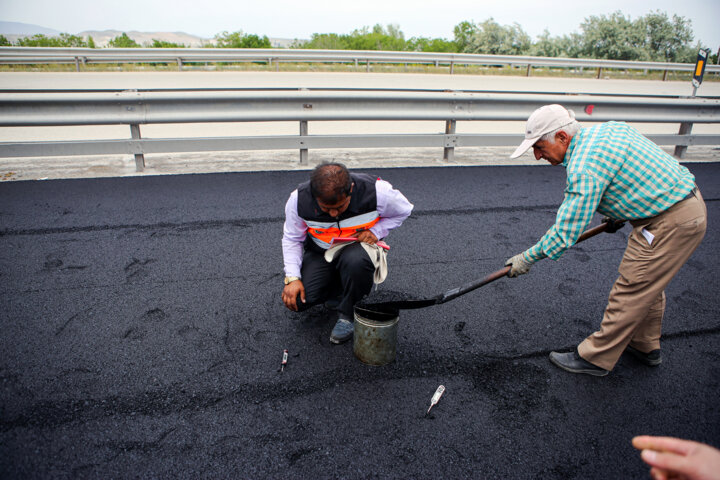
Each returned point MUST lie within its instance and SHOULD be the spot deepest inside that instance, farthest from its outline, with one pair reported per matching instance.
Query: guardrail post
(599, 72)
(449, 152)
(527, 74)
(367, 65)
(356, 63)
(685, 129)
(452, 67)
(180, 64)
(303, 133)
(139, 157)
(665, 75)
(77, 64)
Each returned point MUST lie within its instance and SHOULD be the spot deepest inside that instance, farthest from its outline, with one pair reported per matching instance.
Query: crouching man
(336, 203)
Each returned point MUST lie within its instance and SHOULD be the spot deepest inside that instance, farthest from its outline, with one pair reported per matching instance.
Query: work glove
(518, 264)
(612, 224)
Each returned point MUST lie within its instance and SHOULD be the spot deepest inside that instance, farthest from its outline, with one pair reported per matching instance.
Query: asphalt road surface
(142, 334)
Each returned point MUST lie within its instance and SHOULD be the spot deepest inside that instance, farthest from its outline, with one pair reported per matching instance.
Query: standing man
(616, 171)
(336, 203)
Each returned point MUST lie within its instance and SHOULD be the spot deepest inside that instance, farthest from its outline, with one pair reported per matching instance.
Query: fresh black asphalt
(142, 332)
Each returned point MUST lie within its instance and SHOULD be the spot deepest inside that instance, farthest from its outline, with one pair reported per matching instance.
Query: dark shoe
(651, 359)
(572, 362)
(342, 332)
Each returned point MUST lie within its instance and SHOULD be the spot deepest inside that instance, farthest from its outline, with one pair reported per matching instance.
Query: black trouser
(348, 277)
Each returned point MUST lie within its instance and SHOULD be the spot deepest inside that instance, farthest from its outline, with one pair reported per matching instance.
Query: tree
(464, 32)
(240, 40)
(90, 42)
(325, 41)
(123, 41)
(613, 37)
(254, 41)
(391, 30)
(665, 40)
(68, 40)
(567, 46)
(64, 40)
(547, 46)
(492, 38)
(38, 40)
(163, 44)
(4, 42)
(388, 38)
(423, 44)
(571, 45)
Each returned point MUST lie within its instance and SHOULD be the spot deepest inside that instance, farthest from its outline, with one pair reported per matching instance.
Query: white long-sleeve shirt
(392, 207)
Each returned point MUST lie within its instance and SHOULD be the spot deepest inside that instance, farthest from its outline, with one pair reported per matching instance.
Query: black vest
(363, 199)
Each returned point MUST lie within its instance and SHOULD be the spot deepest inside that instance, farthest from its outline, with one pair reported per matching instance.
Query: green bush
(240, 40)
(424, 44)
(123, 41)
(388, 38)
(163, 44)
(64, 40)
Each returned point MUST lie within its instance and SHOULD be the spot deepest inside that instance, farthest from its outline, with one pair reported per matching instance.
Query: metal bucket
(375, 336)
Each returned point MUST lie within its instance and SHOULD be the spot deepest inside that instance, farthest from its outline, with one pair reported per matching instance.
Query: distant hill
(24, 29)
(15, 30)
(145, 38)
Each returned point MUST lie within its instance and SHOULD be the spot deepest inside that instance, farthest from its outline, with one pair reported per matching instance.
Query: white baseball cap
(543, 120)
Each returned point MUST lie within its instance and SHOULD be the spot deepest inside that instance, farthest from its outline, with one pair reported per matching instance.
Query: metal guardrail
(135, 108)
(183, 56)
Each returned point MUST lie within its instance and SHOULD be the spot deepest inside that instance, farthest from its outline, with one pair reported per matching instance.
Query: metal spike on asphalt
(436, 397)
(284, 360)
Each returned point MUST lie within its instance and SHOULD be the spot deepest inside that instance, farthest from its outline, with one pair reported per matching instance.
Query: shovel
(390, 309)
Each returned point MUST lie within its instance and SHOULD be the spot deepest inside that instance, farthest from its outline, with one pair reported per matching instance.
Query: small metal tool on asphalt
(284, 360)
(436, 398)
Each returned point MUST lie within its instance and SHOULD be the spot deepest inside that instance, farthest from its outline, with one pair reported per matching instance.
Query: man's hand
(367, 236)
(678, 459)
(518, 265)
(612, 224)
(291, 292)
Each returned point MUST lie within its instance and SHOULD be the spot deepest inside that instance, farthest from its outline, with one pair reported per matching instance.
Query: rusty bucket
(375, 336)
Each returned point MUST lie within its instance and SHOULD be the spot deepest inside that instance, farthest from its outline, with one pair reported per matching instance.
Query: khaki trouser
(637, 300)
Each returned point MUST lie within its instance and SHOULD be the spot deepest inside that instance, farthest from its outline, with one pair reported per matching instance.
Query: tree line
(653, 37)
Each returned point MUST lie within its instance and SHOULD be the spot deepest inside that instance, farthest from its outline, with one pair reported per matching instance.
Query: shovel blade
(392, 308)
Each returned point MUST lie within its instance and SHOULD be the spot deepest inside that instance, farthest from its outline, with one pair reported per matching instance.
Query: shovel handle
(592, 232)
(456, 292)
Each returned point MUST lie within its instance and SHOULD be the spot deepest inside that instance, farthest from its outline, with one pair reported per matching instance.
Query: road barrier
(137, 108)
(186, 56)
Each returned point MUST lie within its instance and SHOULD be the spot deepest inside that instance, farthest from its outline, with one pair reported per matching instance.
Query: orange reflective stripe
(325, 235)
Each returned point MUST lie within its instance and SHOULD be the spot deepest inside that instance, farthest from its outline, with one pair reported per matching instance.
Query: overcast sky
(302, 18)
